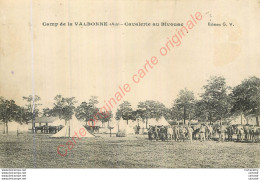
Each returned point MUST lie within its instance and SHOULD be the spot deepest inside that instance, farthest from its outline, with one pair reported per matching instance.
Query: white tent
(71, 127)
(159, 122)
(124, 129)
(163, 121)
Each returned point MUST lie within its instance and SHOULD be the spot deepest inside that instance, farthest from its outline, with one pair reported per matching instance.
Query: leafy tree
(106, 117)
(90, 112)
(185, 104)
(246, 97)
(63, 107)
(201, 110)
(24, 116)
(215, 99)
(9, 111)
(31, 111)
(151, 109)
(176, 113)
(32, 104)
(82, 111)
(125, 111)
(47, 112)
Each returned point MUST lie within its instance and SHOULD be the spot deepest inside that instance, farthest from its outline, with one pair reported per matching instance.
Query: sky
(86, 61)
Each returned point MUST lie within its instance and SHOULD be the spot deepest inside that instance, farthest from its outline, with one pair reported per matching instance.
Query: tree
(125, 111)
(88, 111)
(9, 111)
(47, 112)
(63, 107)
(201, 110)
(31, 111)
(151, 109)
(184, 103)
(215, 99)
(24, 116)
(246, 97)
(106, 117)
(82, 112)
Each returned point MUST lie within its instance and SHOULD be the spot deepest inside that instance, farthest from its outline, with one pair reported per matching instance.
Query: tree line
(217, 102)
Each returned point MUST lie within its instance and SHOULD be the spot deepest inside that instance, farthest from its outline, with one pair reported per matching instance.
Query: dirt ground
(40, 151)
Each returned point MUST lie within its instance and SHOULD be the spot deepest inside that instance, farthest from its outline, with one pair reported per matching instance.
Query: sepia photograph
(129, 84)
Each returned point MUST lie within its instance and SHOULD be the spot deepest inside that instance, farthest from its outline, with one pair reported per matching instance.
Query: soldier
(163, 133)
(190, 132)
(176, 133)
(241, 133)
(222, 130)
(169, 133)
(210, 129)
(202, 133)
(246, 131)
(150, 132)
(156, 130)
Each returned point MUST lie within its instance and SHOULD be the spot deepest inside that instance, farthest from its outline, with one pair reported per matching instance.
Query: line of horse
(48, 129)
(239, 133)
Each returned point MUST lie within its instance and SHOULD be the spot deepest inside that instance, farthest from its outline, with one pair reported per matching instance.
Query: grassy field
(25, 151)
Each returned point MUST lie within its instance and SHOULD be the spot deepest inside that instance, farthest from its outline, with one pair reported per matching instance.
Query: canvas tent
(124, 129)
(70, 128)
(159, 122)
(121, 126)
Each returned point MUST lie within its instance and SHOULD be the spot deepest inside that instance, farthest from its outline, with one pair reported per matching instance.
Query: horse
(255, 134)
(240, 133)
(196, 131)
(162, 133)
(247, 133)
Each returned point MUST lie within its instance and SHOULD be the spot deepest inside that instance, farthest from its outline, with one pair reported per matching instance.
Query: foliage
(151, 109)
(32, 105)
(9, 111)
(215, 102)
(63, 107)
(125, 111)
(183, 107)
(246, 97)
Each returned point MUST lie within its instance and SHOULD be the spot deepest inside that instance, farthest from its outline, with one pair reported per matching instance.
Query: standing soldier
(222, 130)
(202, 133)
(190, 132)
(156, 133)
(163, 133)
(169, 133)
(176, 133)
(150, 132)
(182, 132)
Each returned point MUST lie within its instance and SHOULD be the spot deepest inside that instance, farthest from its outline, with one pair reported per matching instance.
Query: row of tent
(116, 126)
(74, 125)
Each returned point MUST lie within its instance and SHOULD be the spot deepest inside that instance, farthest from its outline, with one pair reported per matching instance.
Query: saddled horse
(255, 133)
(196, 130)
(240, 133)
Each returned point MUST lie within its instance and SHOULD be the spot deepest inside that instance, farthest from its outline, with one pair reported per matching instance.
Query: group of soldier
(204, 132)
